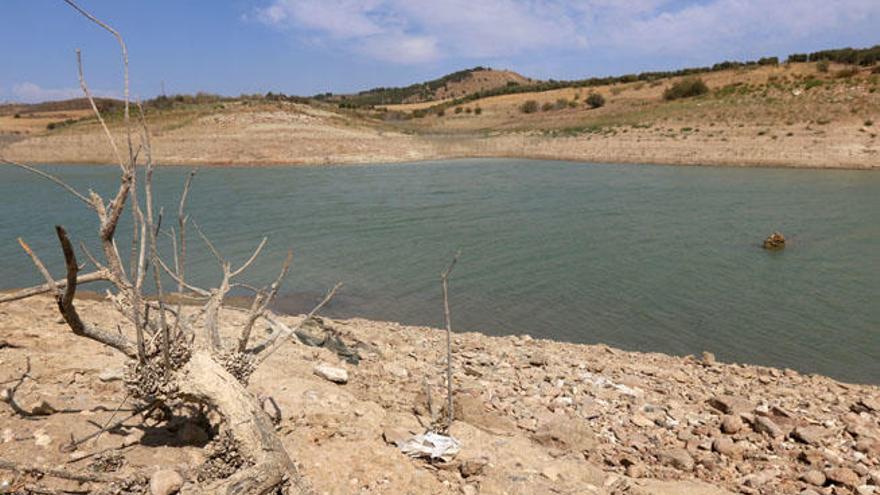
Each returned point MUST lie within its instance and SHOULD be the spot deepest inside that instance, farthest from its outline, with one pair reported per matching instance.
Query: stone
(814, 477)
(763, 424)
(111, 375)
(729, 404)
(866, 490)
(331, 373)
(395, 370)
(725, 446)
(165, 482)
(708, 358)
(731, 424)
(43, 408)
(538, 359)
(774, 241)
(809, 492)
(395, 435)
(677, 458)
(473, 467)
(635, 470)
(472, 410)
(565, 434)
(810, 435)
(843, 476)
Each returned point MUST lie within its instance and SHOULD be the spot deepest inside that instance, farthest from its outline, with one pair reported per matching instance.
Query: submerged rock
(775, 241)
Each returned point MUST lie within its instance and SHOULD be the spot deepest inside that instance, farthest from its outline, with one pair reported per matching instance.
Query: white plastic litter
(431, 445)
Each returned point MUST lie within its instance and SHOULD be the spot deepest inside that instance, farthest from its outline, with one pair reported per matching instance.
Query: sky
(306, 47)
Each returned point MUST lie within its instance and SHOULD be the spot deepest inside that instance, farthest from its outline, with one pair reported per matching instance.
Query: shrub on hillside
(17, 116)
(530, 106)
(478, 110)
(561, 103)
(686, 88)
(547, 106)
(846, 73)
(822, 65)
(595, 100)
(768, 61)
(798, 57)
(458, 109)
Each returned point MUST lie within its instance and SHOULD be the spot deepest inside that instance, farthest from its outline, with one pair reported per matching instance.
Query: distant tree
(798, 57)
(17, 116)
(768, 61)
(686, 88)
(458, 110)
(478, 110)
(595, 100)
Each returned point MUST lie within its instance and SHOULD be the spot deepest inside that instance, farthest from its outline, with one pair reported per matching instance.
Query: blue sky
(310, 46)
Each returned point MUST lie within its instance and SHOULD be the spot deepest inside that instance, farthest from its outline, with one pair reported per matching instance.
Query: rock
(111, 375)
(469, 490)
(395, 370)
(538, 359)
(657, 487)
(395, 435)
(333, 374)
(43, 408)
(810, 435)
(774, 241)
(635, 470)
(677, 458)
(165, 482)
(760, 479)
(566, 434)
(708, 358)
(763, 424)
(867, 404)
(41, 439)
(473, 467)
(729, 404)
(843, 476)
(472, 410)
(813, 477)
(866, 490)
(809, 492)
(725, 446)
(731, 424)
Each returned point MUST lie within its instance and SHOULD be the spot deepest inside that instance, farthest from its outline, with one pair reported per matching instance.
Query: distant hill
(103, 104)
(455, 85)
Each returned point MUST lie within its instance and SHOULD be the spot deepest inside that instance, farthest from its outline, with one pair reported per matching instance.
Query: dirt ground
(532, 416)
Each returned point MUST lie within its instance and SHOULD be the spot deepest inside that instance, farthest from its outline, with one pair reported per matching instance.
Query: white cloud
(414, 31)
(28, 92)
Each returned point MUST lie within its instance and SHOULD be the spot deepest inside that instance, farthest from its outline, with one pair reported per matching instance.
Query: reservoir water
(648, 258)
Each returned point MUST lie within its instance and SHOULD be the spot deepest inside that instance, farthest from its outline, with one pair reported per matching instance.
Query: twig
(62, 473)
(52, 178)
(261, 301)
(444, 282)
(98, 276)
(272, 344)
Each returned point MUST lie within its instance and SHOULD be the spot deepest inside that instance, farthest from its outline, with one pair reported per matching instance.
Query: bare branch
(261, 301)
(251, 259)
(68, 310)
(210, 245)
(50, 281)
(444, 282)
(275, 340)
(52, 178)
(85, 90)
(100, 275)
(181, 224)
(180, 281)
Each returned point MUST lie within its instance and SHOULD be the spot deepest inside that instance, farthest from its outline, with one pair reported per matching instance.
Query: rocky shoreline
(533, 416)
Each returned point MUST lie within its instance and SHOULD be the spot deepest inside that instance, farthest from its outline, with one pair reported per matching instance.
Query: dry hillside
(798, 114)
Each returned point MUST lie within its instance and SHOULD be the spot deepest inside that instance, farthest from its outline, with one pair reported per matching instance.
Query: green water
(648, 258)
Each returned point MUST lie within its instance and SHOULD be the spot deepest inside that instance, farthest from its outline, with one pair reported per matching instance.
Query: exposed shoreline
(533, 415)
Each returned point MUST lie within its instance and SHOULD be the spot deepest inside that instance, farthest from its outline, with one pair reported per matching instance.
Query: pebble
(331, 373)
(843, 476)
(813, 477)
(763, 424)
(165, 482)
(677, 458)
(731, 424)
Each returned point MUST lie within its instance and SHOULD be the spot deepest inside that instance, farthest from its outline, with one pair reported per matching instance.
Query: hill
(455, 85)
(822, 112)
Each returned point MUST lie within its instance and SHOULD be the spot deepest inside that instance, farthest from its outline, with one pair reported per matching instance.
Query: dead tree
(177, 357)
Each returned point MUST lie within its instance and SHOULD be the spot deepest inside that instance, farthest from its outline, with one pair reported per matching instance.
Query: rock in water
(775, 241)
(335, 375)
